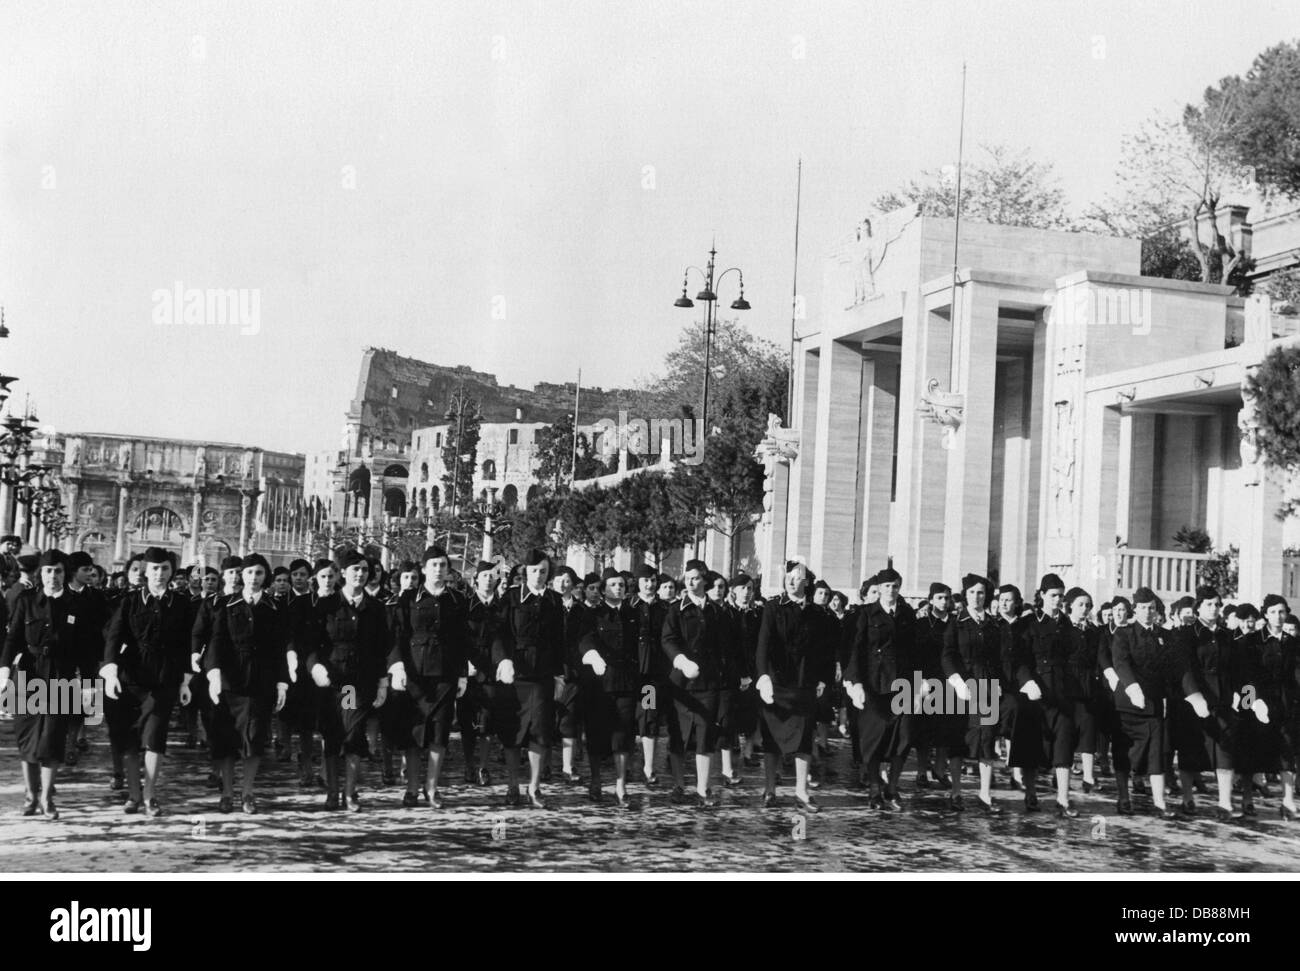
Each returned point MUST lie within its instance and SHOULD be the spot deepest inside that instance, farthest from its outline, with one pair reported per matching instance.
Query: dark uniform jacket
(204, 623)
(577, 616)
(48, 633)
(1215, 666)
(796, 644)
(1150, 657)
(149, 639)
(249, 645)
(652, 663)
(1046, 656)
(702, 633)
(883, 648)
(351, 642)
(930, 635)
(748, 623)
(531, 634)
(431, 634)
(481, 623)
(973, 649)
(93, 615)
(612, 633)
(1269, 665)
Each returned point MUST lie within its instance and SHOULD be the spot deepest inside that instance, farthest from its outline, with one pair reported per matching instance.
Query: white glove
(473, 671)
(821, 688)
(1261, 711)
(745, 683)
(1135, 695)
(1032, 691)
(381, 693)
(1112, 679)
(462, 685)
(320, 676)
(186, 695)
(689, 668)
(4, 679)
(195, 658)
(857, 694)
(112, 686)
(959, 686)
(214, 685)
(765, 690)
(559, 689)
(1236, 701)
(595, 662)
(87, 698)
(281, 694)
(506, 671)
(398, 673)
(291, 658)
(1199, 705)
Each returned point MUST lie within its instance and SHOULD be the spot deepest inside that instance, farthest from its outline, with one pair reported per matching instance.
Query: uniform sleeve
(283, 624)
(1122, 649)
(766, 632)
(1105, 657)
(320, 649)
(201, 632)
(503, 638)
(219, 649)
(950, 658)
(1193, 679)
(399, 636)
(16, 635)
(119, 633)
(826, 649)
(1022, 653)
(673, 640)
(855, 669)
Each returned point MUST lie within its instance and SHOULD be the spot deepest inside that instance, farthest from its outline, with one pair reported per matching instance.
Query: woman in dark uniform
(654, 710)
(972, 659)
(1268, 705)
(716, 589)
(146, 667)
(1083, 638)
(528, 655)
(795, 664)
(611, 684)
(248, 679)
(748, 619)
(934, 734)
(482, 616)
(50, 649)
(1206, 737)
(298, 716)
(347, 662)
(883, 651)
(428, 663)
(568, 704)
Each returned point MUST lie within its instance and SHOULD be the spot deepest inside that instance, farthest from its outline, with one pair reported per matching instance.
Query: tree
(462, 440)
(640, 512)
(555, 451)
(1274, 392)
(533, 527)
(1266, 137)
(1001, 186)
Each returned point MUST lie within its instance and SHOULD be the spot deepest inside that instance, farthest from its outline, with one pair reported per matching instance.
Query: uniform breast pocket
(36, 632)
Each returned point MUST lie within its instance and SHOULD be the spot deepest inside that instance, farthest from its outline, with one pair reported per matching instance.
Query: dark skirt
(523, 713)
(979, 739)
(1145, 735)
(697, 719)
(429, 709)
(139, 719)
(610, 721)
(883, 735)
(729, 703)
(341, 720)
(471, 713)
(1025, 734)
(655, 712)
(1264, 748)
(41, 738)
(789, 723)
(1189, 738)
(1086, 724)
(241, 726)
(568, 710)
(1058, 735)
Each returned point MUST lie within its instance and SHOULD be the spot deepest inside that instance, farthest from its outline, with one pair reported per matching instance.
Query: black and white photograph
(844, 439)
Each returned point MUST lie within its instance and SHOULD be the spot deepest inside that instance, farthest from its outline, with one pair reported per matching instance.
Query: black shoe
(546, 774)
(1198, 786)
(751, 761)
(49, 810)
(893, 803)
(354, 803)
(225, 804)
(1031, 802)
(923, 780)
(731, 781)
(1076, 771)
(1139, 787)
(1124, 807)
(1288, 815)
(1017, 785)
(118, 784)
(955, 804)
(153, 809)
(572, 779)
(1166, 813)
(943, 782)
(332, 801)
(484, 778)
(595, 794)
(650, 781)
(808, 805)
(678, 796)
(410, 800)
(989, 808)
(1089, 786)
(513, 798)
(1249, 809)
(876, 802)
(706, 801)
(131, 806)
(1262, 791)
(1189, 807)
(250, 806)
(535, 799)
(29, 807)
(621, 801)
(769, 800)
(389, 777)
(214, 781)
(436, 800)
(1229, 815)
(1066, 811)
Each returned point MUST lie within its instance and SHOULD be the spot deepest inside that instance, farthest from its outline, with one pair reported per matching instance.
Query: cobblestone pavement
(477, 833)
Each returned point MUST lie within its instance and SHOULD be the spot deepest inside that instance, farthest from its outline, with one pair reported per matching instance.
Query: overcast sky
(512, 186)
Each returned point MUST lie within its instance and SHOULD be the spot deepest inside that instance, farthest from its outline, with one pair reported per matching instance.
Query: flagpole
(794, 295)
(956, 233)
(577, 392)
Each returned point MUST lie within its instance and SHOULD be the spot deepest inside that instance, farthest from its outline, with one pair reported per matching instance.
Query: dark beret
(155, 554)
(1273, 599)
(320, 565)
(590, 578)
(1051, 581)
(434, 552)
(280, 571)
(740, 579)
(570, 572)
(698, 565)
(254, 559)
(938, 588)
(1121, 600)
(349, 558)
(231, 563)
(484, 565)
(888, 575)
(536, 556)
(610, 574)
(1074, 593)
(643, 571)
(663, 578)
(1247, 611)
(11, 536)
(1182, 602)
(975, 580)
(1144, 595)
(53, 558)
(79, 559)
(1012, 589)
(299, 564)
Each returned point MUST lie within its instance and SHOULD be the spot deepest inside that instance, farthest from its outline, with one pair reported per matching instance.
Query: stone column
(1260, 556)
(245, 502)
(1098, 497)
(196, 514)
(119, 543)
(798, 534)
(835, 464)
(876, 462)
(775, 452)
(6, 508)
(20, 524)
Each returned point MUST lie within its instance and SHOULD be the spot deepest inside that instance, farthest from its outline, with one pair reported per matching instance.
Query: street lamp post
(710, 297)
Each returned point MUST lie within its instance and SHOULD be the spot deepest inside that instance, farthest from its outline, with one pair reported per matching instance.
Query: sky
(515, 186)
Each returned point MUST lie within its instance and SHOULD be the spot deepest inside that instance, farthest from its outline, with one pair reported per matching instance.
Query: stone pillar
(6, 508)
(1260, 557)
(196, 516)
(965, 512)
(775, 452)
(245, 502)
(798, 533)
(119, 543)
(20, 525)
(835, 464)
(876, 462)
(1142, 471)
(1099, 498)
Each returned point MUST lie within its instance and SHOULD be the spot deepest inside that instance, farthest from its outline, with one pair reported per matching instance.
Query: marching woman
(1208, 739)
(934, 732)
(47, 643)
(795, 664)
(972, 652)
(748, 618)
(1267, 701)
(347, 661)
(698, 641)
(568, 704)
(1047, 679)
(1083, 638)
(883, 650)
(654, 711)
(609, 661)
(299, 712)
(146, 668)
(248, 671)
(528, 656)
(716, 589)
(482, 617)
(1147, 662)
(427, 662)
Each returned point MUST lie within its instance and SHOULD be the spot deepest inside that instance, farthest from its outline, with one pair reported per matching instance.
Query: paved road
(476, 832)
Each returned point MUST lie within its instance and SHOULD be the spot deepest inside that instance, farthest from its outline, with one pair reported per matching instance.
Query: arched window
(395, 502)
(424, 471)
(489, 470)
(531, 494)
(433, 498)
(510, 497)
